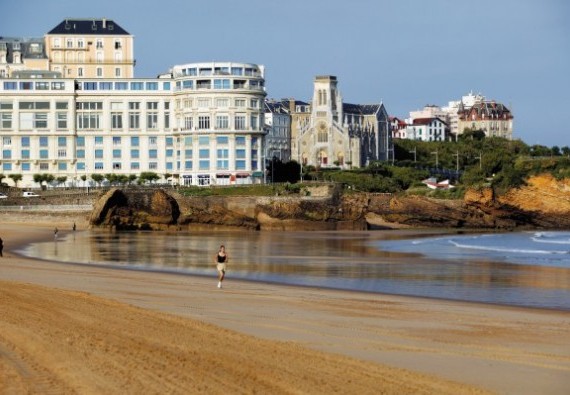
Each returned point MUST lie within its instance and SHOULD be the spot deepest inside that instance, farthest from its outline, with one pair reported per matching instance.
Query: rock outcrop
(135, 210)
(543, 203)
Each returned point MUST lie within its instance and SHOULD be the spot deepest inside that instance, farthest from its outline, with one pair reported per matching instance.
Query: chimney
(104, 23)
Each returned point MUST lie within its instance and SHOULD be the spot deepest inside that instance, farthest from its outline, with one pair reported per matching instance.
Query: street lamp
(456, 163)
(436, 158)
(299, 156)
(414, 152)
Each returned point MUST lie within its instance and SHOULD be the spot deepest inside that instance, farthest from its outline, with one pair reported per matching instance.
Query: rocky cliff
(543, 203)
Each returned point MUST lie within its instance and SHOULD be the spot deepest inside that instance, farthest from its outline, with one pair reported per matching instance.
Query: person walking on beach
(221, 260)
(55, 232)
(1, 247)
(74, 227)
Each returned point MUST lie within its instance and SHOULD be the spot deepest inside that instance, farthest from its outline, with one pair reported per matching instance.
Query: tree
(2, 176)
(16, 178)
(41, 178)
(132, 178)
(98, 178)
(472, 134)
(61, 180)
(48, 178)
(83, 178)
(148, 176)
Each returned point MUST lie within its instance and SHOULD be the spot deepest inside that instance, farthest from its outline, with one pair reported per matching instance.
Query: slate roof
(276, 107)
(486, 110)
(29, 48)
(427, 121)
(360, 109)
(89, 26)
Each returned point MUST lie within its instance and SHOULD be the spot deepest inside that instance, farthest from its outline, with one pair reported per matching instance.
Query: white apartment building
(427, 129)
(200, 124)
(219, 122)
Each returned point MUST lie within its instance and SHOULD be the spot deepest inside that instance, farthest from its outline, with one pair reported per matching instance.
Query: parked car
(3, 196)
(30, 194)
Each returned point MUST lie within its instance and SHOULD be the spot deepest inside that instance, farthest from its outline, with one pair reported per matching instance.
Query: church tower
(327, 101)
(326, 113)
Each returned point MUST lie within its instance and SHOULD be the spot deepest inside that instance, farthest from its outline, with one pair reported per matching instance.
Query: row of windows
(123, 86)
(203, 165)
(134, 153)
(80, 71)
(133, 85)
(222, 70)
(134, 141)
(30, 85)
(93, 121)
(89, 85)
(219, 102)
(80, 43)
(219, 84)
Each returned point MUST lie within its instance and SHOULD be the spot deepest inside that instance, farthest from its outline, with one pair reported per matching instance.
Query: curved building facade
(219, 119)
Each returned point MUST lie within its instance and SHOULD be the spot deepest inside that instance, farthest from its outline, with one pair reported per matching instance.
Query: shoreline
(396, 234)
(301, 286)
(504, 349)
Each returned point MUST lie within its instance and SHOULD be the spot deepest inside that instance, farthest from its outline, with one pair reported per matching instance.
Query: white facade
(202, 125)
(427, 129)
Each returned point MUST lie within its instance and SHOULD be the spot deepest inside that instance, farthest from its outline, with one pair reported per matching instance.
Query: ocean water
(529, 269)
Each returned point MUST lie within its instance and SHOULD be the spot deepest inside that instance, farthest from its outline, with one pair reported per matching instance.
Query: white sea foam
(510, 250)
(553, 241)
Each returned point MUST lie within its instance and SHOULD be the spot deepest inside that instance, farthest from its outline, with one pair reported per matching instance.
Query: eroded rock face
(543, 203)
(135, 210)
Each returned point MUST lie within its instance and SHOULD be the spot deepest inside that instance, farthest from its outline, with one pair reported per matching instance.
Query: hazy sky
(406, 53)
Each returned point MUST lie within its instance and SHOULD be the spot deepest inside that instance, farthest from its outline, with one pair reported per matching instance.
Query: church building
(330, 133)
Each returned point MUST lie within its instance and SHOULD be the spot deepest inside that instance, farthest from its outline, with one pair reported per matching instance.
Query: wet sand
(71, 328)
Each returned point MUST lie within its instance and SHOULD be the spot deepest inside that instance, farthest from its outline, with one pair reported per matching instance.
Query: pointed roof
(360, 109)
(427, 121)
(89, 26)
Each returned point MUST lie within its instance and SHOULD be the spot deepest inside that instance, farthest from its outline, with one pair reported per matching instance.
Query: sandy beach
(80, 329)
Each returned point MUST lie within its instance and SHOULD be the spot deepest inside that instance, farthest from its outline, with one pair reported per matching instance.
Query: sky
(403, 53)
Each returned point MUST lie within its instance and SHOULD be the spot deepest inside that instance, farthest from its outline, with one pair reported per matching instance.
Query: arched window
(322, 136)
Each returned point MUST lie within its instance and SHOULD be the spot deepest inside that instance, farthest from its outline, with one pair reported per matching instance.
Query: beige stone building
(330, 133)
(493, 118)
(90, 48)
(76, 48)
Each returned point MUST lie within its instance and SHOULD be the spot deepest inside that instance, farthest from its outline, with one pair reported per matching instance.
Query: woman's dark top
(222, 259)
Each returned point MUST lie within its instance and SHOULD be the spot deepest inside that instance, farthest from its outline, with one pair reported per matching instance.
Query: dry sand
(79, 329)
